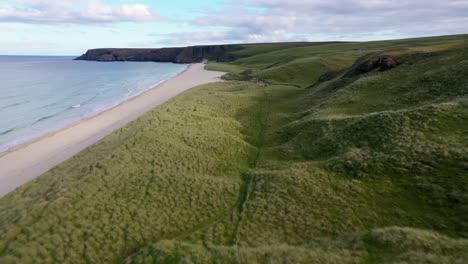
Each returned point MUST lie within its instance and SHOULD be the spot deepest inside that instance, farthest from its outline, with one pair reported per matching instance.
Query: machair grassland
(357, 168)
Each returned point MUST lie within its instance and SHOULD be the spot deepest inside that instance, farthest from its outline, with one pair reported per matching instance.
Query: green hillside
(330, 163)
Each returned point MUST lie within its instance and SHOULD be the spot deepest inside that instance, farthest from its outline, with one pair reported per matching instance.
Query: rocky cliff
(217, 53)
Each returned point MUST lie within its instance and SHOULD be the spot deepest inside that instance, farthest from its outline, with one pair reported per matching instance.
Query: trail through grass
(358, 168)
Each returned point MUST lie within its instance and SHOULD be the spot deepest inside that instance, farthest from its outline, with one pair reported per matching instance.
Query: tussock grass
(368, 168)
(171, 170)
(386, 245)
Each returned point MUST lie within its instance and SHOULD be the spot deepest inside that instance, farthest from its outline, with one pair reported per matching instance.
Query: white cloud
(70, 12)
(285, 20)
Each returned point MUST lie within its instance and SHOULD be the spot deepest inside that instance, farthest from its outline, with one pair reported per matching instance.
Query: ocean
(39, 94)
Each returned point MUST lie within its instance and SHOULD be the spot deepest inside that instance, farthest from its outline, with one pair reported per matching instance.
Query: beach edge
(27, 161)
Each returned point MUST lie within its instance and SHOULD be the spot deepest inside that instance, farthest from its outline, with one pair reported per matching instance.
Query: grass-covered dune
(360, 167)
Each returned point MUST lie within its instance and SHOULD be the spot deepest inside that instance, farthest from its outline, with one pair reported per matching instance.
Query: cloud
(235, 35)
(286, 20)
(73, 12)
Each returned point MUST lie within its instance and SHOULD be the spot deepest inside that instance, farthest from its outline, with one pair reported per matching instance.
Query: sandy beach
(26, 162)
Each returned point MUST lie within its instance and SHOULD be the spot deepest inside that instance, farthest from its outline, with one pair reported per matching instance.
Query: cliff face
(177, 55)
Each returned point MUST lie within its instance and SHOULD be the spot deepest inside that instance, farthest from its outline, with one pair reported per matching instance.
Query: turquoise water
(39, 95)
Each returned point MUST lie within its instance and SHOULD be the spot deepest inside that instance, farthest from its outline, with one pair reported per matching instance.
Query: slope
(360, 167)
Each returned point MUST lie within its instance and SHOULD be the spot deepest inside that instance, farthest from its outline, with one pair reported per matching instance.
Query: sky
(70, 27)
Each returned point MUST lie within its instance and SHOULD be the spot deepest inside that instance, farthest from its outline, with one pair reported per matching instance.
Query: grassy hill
(362, 166)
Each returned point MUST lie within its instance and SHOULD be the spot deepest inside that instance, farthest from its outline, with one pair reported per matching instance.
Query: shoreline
(26, 161)
(52, 133)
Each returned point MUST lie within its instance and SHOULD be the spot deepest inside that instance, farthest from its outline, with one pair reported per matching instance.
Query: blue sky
(70, 27)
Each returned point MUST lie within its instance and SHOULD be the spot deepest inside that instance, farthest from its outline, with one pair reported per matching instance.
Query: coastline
(51, 133)
(29, 160)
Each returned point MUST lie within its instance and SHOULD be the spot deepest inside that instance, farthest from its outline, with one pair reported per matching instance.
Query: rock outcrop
(382, 63)
(217, 53)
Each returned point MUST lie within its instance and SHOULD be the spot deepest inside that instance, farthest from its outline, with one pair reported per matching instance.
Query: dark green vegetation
(219, 53)
(358, 168)
(176, 55)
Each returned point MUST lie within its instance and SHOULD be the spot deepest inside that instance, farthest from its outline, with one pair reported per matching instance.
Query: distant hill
(176, 55)
(218, 53)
